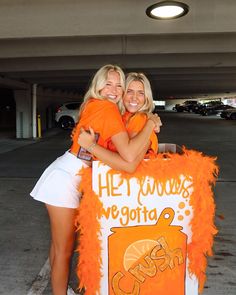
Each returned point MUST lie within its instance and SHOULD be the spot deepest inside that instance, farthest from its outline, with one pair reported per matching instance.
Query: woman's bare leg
(62, 245)
(51, 254)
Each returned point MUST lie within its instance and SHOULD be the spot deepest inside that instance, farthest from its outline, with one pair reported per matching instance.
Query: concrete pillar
(23, 113)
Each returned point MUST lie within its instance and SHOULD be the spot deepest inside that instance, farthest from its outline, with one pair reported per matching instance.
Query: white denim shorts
(58, 185)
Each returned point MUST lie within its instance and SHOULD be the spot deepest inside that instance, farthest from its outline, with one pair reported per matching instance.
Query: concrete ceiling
(60, 43)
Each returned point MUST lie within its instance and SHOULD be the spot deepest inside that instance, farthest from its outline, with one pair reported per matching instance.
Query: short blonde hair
(148, 106)
(98, 83)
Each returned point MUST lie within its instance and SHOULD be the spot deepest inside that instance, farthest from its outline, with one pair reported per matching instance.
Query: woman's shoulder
(140, 116)
(136, 122)
(129, 118)
(101, 108)
(99, 103)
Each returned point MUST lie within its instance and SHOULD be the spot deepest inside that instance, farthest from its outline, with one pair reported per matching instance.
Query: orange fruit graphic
(136, 250)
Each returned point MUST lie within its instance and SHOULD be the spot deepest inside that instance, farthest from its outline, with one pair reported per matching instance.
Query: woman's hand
(86, 139)
(156, 120)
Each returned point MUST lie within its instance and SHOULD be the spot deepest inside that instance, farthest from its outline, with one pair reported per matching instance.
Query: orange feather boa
(203, 171)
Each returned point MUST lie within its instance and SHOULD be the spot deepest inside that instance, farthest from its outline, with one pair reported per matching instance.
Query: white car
(67, 114)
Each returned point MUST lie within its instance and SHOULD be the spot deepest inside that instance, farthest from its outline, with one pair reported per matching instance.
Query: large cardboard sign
(150, 232)
(145, 228)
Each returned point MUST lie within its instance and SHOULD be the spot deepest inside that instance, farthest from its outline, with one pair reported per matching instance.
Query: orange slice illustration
(136, 250)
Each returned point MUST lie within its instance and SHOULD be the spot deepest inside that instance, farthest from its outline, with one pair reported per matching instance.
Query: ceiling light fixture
(167, 10)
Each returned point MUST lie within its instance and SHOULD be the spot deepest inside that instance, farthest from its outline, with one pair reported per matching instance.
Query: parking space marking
(41, 281)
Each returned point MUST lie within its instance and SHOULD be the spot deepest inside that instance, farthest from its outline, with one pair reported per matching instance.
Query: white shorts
(58, 185)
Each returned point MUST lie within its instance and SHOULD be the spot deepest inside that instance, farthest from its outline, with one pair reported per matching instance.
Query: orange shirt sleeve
(136, 123)
(105, 119)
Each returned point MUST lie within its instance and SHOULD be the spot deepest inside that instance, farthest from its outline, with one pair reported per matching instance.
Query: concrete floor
(24, 227)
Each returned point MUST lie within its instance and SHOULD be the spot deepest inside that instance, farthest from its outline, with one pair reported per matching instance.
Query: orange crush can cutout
(145, 229)
(148, 258)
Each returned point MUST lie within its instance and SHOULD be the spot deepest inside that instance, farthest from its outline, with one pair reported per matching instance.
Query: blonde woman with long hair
(57, 187)
(138, 104)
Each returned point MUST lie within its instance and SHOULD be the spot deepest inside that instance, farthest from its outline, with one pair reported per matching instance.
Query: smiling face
(113, 89)
(134, 97)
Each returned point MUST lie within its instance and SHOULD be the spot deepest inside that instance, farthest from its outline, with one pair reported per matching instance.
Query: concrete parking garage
(48, 52)
(24, 224)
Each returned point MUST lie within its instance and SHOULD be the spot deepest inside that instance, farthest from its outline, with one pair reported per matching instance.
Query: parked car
(187, 106)
(214, 110)
(67, 114)
(208, 104)
(229, 114)
(196, 107)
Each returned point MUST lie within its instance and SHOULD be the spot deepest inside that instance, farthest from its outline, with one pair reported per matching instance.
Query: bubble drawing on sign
(137, 264)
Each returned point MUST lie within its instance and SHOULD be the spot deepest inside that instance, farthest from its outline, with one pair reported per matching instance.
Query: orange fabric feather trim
(203, 171)
(89, 248)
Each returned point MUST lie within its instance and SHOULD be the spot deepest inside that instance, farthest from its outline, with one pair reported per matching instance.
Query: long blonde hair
(98, 83)
(148, 106)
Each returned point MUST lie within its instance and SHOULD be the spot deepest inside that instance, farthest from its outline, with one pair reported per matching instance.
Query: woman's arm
(129, 148)
(112, 159)
(115, 161)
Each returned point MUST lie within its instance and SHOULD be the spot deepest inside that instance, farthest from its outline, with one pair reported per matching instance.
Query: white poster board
(145, 230)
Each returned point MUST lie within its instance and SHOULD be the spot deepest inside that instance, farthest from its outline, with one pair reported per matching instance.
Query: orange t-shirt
(104, 118)
(135, 123)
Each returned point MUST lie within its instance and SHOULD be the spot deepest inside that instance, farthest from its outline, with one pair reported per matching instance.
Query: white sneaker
(70, 291)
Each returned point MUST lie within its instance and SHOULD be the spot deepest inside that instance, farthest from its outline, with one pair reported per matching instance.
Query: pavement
(25, 232)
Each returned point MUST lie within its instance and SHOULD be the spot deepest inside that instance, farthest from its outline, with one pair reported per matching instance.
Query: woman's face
(113, 88)
(134, 98)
